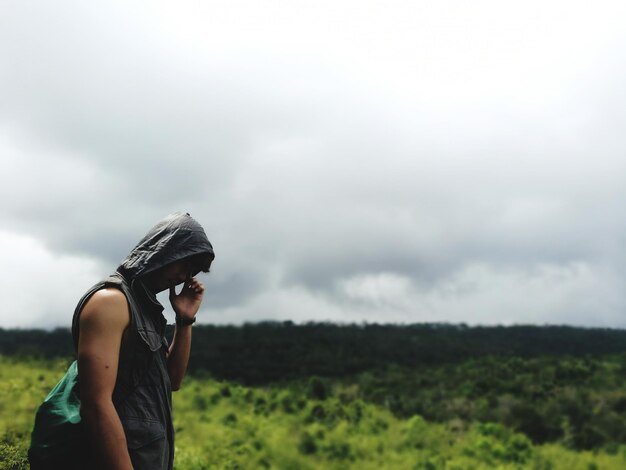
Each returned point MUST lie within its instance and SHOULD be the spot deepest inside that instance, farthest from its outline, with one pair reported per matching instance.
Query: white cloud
(382, 290)
(576, 293)
(294, 303)
(39, 288)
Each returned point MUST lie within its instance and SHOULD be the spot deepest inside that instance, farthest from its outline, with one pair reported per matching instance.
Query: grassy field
(309, 424)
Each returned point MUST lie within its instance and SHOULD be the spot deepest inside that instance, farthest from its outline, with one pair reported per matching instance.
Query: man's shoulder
(109, 302)
(108, 295)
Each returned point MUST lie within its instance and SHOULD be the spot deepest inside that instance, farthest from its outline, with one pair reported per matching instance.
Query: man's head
(173, 249)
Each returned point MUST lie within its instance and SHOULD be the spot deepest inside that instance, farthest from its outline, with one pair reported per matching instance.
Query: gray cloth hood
(175, 237)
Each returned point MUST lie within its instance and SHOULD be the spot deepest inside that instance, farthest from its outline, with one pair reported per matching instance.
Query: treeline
(272, 351)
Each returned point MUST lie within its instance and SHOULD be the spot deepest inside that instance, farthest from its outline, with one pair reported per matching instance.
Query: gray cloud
(436, 160)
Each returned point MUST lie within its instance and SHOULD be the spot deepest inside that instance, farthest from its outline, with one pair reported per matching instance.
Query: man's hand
(185, 306)
(187, 302)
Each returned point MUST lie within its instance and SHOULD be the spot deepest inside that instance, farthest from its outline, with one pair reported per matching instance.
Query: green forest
(327, 396)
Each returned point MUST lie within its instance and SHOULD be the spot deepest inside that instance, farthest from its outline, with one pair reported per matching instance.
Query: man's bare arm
(103, 321)
(178, 356)
(185, 305)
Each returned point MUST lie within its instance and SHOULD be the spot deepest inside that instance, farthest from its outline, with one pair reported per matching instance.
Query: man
(126, 369)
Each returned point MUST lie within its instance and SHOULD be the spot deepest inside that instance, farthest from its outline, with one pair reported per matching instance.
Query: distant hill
(270, 351)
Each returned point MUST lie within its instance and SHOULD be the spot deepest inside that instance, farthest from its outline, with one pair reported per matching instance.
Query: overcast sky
(391, 161)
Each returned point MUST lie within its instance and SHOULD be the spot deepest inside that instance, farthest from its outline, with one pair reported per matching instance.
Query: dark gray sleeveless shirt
(142, 395)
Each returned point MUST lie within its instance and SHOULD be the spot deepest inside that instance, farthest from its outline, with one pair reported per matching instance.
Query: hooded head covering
(175, 237)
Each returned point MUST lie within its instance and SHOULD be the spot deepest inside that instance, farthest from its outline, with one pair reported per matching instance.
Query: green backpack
(57, 435)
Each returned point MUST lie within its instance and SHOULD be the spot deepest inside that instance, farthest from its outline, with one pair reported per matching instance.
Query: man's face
(176, 273)
(169, 275)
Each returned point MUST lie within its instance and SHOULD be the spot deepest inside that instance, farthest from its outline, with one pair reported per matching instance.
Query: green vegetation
(578, 402)
(280, 395)
(24, 383)
(488, 412)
